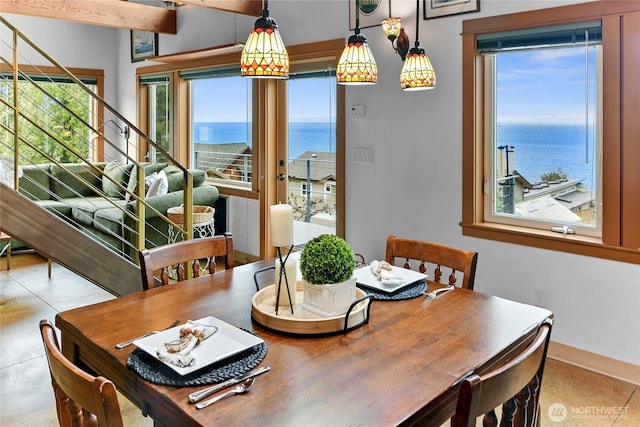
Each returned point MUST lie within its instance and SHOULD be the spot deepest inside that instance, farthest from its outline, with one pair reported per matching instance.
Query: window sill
(234, 190)
(571, 243)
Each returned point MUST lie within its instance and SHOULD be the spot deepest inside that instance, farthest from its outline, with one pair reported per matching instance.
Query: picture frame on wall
(440, 8)
(372, 12)
(144, 44)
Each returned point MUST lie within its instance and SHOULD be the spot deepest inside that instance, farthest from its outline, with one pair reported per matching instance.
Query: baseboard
(594, 362)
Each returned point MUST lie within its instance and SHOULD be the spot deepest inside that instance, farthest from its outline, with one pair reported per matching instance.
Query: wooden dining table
(403, 367)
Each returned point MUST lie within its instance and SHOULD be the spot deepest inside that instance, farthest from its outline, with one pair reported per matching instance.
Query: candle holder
(286, 280)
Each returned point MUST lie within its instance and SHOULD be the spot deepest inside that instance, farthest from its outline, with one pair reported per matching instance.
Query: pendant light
(417, 72)
(264, 55)
(357, 65)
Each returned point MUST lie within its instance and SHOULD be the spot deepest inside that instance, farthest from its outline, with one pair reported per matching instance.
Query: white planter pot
(329, 300)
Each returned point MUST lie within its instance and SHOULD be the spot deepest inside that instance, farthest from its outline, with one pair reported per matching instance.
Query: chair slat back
(515, 386)
(81, 399)
(436, 254)
(176, 257)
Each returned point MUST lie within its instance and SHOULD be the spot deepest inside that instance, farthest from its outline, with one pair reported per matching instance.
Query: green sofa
(73, 193)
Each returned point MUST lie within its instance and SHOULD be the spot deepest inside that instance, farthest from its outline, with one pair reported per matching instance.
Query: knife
(122, 345)
(197, 396)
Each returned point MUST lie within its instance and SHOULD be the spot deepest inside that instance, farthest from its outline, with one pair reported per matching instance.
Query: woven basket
(200, 214)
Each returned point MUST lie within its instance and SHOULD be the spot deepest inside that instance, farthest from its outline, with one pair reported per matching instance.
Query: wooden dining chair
(515, 385)
(436, 254)
(81, 399)
(174, 259)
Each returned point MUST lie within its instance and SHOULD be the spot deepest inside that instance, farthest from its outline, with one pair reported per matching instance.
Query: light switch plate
(362, 155)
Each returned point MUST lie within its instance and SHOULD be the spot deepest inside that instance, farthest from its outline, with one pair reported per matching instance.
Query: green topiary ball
(327, 259)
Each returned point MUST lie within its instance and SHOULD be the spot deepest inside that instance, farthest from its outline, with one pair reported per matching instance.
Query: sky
(544, 86)
(535, 86)
(310, 99)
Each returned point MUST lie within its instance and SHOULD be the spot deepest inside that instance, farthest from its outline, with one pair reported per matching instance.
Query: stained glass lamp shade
(357, 65)
(264, 55)
(417, 72)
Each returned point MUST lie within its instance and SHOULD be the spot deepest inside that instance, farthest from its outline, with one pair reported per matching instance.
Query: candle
(281, 225)
(290, 270)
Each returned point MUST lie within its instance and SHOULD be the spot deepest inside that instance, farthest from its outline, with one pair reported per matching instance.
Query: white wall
(416, 138)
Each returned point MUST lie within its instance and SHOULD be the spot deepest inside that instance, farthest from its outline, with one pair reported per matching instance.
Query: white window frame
(490, 178)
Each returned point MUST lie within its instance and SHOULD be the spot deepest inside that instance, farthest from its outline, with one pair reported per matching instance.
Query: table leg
(69, 349)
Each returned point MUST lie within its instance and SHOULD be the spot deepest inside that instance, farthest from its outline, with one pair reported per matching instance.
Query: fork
(242, 388)
(434, 293)
(126, 343)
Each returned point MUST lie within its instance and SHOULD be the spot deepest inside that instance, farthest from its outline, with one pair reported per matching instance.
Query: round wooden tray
(303, 322)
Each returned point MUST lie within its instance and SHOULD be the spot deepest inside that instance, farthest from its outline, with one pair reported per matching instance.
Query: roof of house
(539, 189)
(577, 198)
(546, 208)
(518, 178)
(322, 167)
(224, 154)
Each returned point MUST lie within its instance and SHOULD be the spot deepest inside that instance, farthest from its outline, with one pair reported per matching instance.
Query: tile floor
(26, 398)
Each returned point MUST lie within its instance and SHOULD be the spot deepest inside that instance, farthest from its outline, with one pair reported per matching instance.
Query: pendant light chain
(417, 23)
(417, 72)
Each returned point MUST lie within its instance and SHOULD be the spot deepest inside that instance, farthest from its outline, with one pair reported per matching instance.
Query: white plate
(228, 341)
(366, 278)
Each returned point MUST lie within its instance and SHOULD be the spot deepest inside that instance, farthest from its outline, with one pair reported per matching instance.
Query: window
(606, 223)
(58, 110)
(328, 190)
(543, 165)
(159, 120)
(221, 124)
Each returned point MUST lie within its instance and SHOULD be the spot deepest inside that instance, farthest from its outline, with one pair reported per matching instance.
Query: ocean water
(538, 149)
(303, 136)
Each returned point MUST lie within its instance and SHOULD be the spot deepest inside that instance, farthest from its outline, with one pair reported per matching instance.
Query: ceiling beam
(119, 14)
(244, 7)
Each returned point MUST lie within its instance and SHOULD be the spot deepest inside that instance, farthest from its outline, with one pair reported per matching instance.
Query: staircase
(66, 244)
(40, 123)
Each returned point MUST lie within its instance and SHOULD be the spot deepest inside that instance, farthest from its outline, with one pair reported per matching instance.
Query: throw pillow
(176, 177)
(158, 184)
(118, 171)
(149, 169)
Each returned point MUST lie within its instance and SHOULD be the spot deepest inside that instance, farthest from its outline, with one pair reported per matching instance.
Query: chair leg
(49, 267)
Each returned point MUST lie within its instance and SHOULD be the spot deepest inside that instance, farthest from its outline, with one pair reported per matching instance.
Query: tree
(57, 121)
(553, 176)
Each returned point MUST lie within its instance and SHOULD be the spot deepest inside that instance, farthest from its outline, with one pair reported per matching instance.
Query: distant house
(563, 200)
(318, 171)
(229, 161)
(313, 174)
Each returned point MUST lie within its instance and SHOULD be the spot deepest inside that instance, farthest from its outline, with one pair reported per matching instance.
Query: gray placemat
(409, 292)
(152, 370)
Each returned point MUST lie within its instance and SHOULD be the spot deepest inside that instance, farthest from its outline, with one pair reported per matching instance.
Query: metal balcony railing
(50, 116)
